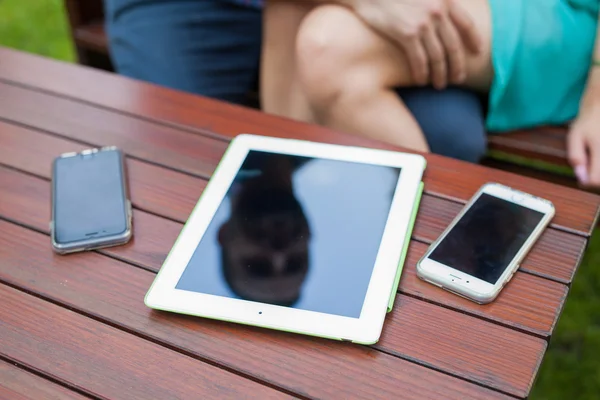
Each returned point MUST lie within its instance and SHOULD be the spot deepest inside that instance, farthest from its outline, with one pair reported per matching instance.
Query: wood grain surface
(33, 152)
(17, 384)
(70, 280)
(107, 362)
(152, 241)
(576, 210)
(527, 302)
(532, 306)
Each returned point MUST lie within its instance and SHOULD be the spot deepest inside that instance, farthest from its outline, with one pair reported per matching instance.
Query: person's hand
(435, 35)
(583, 146)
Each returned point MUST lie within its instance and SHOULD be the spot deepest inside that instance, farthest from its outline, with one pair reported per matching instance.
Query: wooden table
(76, 326)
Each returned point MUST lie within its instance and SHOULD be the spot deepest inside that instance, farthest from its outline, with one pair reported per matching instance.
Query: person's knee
(324, 56)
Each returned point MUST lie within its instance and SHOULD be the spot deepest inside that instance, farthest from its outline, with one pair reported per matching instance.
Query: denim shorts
(209, 47)
(212, 48)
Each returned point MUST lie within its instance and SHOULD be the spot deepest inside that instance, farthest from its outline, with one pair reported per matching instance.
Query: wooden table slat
(451, 342)
(548, 143)
(114, 291)
(105, 361)
(577, 210)
(527, 303)
(17, 384)
(171, 147)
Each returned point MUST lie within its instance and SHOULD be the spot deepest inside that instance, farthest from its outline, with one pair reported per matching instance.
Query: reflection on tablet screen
(296, 232)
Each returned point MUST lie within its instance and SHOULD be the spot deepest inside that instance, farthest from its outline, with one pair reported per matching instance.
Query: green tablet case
(409, 230)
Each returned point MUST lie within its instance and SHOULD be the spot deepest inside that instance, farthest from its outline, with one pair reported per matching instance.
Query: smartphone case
(102, 242)
(515, 264)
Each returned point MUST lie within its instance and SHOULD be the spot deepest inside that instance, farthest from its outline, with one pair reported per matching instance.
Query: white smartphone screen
(487, 237)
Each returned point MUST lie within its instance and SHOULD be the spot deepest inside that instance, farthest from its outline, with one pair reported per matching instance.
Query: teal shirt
(541, 55)
(593, 6)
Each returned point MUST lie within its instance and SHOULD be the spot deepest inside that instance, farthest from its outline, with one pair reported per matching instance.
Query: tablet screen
(297, 232)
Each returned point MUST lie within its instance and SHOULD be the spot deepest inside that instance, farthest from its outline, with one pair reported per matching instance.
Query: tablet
(296, 236)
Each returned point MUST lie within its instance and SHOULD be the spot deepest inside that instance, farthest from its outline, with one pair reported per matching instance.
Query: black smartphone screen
(295, 231)
(487, 237)
(89, 197)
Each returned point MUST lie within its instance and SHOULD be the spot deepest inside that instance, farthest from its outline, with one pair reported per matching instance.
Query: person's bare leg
(348, 73)
(279, 88)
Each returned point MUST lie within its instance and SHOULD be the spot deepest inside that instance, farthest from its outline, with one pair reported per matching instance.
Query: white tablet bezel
(366, 329)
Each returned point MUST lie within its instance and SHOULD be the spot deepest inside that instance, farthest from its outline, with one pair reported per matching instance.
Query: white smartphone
(483, 247)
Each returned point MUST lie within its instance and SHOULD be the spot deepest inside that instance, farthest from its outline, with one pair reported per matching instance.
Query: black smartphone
(90, 203)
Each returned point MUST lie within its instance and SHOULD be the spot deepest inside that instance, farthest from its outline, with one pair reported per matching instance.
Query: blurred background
(36, 26)
(571, 368)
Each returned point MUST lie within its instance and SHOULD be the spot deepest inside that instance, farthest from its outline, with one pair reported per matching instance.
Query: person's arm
(583, 142)
(435, 34)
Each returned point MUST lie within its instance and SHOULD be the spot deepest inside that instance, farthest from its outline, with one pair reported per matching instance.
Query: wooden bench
(86, 20)
(539, 153)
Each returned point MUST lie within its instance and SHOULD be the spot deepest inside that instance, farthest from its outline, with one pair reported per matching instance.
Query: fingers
(577, 153)
(466, 27)
(594, 170)
(457, 62)
(593, 147)
(437, 58)
(417, 59)
(437, 53)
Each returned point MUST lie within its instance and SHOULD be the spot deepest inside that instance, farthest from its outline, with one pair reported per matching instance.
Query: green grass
(571, 368)
(37, 26)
